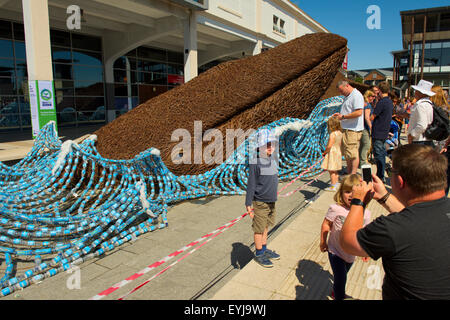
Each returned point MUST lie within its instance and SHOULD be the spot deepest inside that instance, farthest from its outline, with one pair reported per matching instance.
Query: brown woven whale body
(286, 81)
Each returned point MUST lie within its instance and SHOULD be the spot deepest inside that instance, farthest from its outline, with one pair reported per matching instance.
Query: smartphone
(367, 172)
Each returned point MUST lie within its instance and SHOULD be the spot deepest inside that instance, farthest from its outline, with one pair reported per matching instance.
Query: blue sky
(368, 48)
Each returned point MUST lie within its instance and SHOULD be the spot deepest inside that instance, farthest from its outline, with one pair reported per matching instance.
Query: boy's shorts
(264, 216)
(350, 144)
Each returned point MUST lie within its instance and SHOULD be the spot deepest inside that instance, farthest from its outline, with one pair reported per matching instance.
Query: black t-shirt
(382, 122)
(415, 247)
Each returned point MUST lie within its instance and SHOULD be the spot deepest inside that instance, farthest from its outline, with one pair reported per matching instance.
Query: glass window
(66, 116)
(19, 49)
(6, 50)
(60, 38)
(144, 65)
(432, 57)
(19, 33)
(445, 57)
(174, 79)
(120, 76)
(158, 78)
(87, 73)
(97, 115)
(121, 103)
(133, 63)
(176, 57)
(5, 29)
(132, 53)
(25, 119)
(6, 68)
(64, 88)
(175, 69)
(64, 92)
(152, 54)
(8, 105)
(144, 77)
(432, 23)
(9, 121)
(7, 86)
(436, 45)
(87, 88)
(87, 58)
(120, 63)
(24, 105)
(22, 86)
(62, 55)
(445, 22)
(63, 84)
(80, 41)
(89, 103)
(21, 69)
(62, 71)
(120, 90)
(65, 103)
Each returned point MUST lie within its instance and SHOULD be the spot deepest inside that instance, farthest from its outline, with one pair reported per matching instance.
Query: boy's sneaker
(272, 254)
(331, 188)
(264, 261)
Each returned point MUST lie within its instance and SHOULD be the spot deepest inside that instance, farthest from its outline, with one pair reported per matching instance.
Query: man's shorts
(350, 144)
(264, 216)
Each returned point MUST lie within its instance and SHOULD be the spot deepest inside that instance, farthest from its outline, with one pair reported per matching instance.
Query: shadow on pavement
(315, 282)
(240, 255)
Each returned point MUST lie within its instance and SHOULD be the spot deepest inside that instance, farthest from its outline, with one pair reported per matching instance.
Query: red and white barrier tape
(301, 174)
(174, 263)
(210, 235)
(149, 268)
(302, 187)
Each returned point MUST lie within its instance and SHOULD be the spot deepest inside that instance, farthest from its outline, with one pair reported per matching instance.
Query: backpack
(439, 129)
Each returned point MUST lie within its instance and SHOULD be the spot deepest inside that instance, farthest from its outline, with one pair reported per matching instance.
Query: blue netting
(64, 203)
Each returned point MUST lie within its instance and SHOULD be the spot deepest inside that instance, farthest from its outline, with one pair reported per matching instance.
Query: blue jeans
(379, 154)
(340, 269)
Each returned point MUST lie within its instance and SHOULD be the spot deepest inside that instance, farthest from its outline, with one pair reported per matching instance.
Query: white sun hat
(424, 87)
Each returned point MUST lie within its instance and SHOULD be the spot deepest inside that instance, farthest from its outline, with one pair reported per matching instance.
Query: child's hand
(250, 211)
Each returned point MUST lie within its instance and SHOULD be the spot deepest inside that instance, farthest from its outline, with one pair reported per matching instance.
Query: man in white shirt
(421, 113)
(352, 123)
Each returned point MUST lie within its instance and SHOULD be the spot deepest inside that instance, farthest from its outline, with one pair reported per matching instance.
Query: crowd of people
(413, 240)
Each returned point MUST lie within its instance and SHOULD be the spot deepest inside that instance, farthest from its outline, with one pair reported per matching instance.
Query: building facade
(105, 57)
(426, 48)
(371, 77)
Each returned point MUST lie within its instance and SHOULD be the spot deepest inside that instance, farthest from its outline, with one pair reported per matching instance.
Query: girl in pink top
(340, 261)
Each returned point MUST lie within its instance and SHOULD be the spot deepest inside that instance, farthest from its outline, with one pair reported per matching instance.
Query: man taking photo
(413, 241)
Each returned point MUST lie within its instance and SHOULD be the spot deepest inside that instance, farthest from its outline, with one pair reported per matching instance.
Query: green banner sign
(42, 104)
